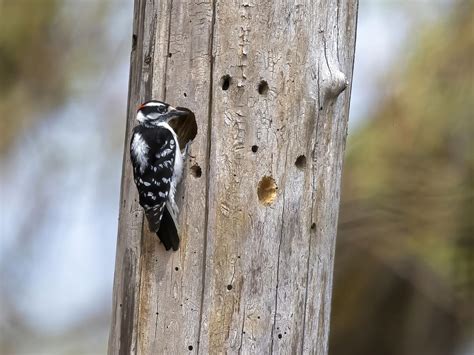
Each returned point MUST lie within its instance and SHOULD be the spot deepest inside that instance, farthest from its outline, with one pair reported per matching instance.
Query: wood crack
(279, 254)
(167, 51)
(208, 169)
(139, 265)
(313, 160)
(337, 34)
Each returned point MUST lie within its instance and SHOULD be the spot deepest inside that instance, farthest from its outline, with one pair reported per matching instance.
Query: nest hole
(300, 162)
(185, 127)
(196, 171)
(225, 82)
(267, 190)
(262, 87)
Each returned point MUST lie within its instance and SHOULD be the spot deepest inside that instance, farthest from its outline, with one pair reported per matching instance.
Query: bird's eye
(161, 109)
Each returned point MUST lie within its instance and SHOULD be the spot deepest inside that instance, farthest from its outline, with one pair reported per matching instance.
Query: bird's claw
(186, 151)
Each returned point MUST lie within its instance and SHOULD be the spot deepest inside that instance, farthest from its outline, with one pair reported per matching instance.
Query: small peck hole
(229, 287)
(225, 82)
(254, 148)
(300, 162)
(190, 347)
(263, 87)
(196, 171)
(267, 190)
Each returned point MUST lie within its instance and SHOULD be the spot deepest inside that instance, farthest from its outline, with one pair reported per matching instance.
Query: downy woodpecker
(157, 168)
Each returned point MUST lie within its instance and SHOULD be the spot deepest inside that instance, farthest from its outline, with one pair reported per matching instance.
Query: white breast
(140, 151)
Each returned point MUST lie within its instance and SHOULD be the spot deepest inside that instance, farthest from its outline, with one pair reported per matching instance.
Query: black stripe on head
(157, 107)
(156, 104)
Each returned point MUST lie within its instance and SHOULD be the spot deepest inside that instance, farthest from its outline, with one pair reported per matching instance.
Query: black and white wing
(152, 151)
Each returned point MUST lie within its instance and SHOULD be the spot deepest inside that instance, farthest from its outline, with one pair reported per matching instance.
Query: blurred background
(404, 269)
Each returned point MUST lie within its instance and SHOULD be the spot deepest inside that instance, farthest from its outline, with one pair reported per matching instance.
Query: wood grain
(250, 277)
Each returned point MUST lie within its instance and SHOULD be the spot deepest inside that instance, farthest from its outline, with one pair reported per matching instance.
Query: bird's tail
(168, 233)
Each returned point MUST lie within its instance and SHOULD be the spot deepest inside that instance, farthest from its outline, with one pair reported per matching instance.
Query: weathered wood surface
(249, 277)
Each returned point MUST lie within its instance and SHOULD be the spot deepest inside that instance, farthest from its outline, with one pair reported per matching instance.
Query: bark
(269, 83)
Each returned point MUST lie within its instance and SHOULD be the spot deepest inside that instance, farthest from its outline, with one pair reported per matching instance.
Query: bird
(157, 164)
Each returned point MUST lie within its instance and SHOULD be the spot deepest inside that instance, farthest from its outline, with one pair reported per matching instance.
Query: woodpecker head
(153, 112)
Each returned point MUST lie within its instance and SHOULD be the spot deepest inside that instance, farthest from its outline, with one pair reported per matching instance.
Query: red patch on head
(140, 107)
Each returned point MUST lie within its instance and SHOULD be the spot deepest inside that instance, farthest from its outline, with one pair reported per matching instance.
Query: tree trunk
(268, 83)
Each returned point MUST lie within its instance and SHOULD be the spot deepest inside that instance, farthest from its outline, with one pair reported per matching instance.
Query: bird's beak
(177, 111)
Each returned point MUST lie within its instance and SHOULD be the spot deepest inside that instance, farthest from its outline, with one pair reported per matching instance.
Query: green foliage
(22, 38)
(45, 51)
(406, 220)
(31, 77)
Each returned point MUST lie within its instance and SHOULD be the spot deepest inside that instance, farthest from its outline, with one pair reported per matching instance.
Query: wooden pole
(269, 83)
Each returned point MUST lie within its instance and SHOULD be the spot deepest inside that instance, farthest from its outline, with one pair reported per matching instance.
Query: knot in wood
(336, 84)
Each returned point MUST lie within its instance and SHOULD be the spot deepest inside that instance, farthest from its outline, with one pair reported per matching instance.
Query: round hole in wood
(225, 82)
(196, 171)
(262, 87)
(267, 190)
(300, 162)
(254, 148)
